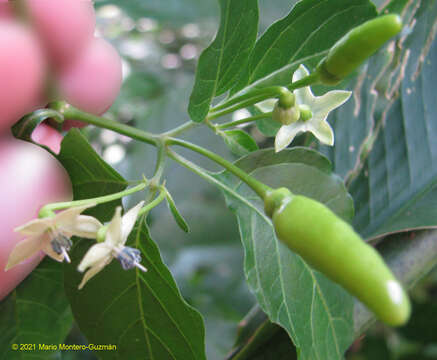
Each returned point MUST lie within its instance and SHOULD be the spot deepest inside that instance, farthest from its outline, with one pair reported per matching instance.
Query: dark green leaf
(139, 313)
(89, 174)
(176, 214)
(316, 313)
(36, 312)
(385, 139)
(222, 61)
(239, 142)
(143, 314)
(259, 338)
(304, 36)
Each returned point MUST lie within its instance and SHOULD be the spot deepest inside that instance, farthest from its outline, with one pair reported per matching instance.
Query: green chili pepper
(332, 246)
(356, 46)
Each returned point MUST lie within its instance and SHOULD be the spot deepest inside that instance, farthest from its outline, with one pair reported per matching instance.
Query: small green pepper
(332, 246)
(356, 46)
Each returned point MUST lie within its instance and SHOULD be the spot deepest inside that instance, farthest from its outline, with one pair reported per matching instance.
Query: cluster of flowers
(52, 235)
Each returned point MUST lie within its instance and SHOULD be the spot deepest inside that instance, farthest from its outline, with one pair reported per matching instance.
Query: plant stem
(266, 93)
(152, 204)
(238, 106)
(98, 200)
(160, 164)
(206, 175)
(243, 121)
(180, 129)
(71, 113)
(260, 188)
(308, 80)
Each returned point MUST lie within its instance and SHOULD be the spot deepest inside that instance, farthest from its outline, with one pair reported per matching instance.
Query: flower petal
(68, 217)
(26, 249)
(94, 255)
(34, 227)
(113, 233)
(329, 101)
(128, 221)
(286, 134)
(323, 132)
(94, 271)
(303, 95)
(84, 226)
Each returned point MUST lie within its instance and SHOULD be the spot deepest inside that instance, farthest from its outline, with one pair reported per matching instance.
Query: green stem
(238, 106)
(265, 93)
(160, 164)
(260, 188)
(308, 80)
(206, 175)
(180, 129)
(46, 209)
(243, 121)
(71, 113)
(152, 204)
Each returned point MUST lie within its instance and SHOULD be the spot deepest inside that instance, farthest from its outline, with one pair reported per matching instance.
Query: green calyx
(356, 46)
(274, 199)
(287, 100)
(46, 213)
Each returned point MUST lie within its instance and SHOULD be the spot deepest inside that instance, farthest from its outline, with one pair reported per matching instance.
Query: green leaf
(36, 312)
(176, 214)
(139, 313)
(220, 63)
(90, 175)
(304, 36)
(23, 129)
(239, 142)
(316, 313)
(143, 314)
(259, 338)
(385, 138)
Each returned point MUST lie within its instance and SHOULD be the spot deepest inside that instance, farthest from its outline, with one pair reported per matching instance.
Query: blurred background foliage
(160, 42)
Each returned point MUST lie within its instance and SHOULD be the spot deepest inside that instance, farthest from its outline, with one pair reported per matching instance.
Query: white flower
(52, 235)
(101, 254)
(319, 106)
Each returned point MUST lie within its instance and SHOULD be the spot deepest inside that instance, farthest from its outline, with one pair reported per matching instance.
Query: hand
(30, 178)
(53, 55)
